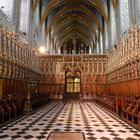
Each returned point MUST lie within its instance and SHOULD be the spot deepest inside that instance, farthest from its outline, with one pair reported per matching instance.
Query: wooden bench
(39, 100)
(1, 115)
(7, 111)
(129, 111)
(13, 109)
(139, 119)
(124, 109)
(135, 113)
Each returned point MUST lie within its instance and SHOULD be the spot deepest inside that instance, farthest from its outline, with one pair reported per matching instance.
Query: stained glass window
(73, 85)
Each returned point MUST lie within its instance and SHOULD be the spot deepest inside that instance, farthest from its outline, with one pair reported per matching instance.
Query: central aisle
(87, 117)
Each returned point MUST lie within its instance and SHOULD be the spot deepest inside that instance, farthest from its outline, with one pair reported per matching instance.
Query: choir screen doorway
(72, 85)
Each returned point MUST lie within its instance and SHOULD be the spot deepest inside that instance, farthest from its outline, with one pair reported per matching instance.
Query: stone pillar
(134, 12)
(48, 43)
(30, 23)
(53, 47)
(109, 27)
(58, 51)
(16, 15)
(98, 48)
(112, 24)
(106, 45)
(109, 36)
(118, 21)
(104, 37)
(132, 17)
(101, 44)
(137, 11)
(57, 47)
(98, 43)
(95, 49)
(92, 49)
(43, 38)
(55, 50)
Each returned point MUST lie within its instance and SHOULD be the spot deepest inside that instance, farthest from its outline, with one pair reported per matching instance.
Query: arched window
(7, 7)
(137, 11)
(124, 13)
(24, 16)
(113, 24)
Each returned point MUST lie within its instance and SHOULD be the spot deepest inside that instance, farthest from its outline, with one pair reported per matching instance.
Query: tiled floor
(87, 117)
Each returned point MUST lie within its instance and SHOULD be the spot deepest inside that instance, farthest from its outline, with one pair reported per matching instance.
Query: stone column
(30, 23)
(118, 21)
(109, 36)
(132, 17)
(16, 15)
(55, 47)
(51, 48)
(109, 28)
(106, 45)
(92, 49)
(98, 48)
(137, 11)
(104, 37)
(95, 49)
(43, 38)
(134, 12)
(101, 44)
(112, 25)
(48, 43)
(58, 51)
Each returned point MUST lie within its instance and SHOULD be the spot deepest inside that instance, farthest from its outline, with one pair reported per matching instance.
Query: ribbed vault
(68, 20)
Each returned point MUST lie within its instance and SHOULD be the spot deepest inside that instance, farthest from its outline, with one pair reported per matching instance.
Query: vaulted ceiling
(70, 19)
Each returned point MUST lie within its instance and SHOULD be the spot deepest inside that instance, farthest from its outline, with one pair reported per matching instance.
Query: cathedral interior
(70, 69)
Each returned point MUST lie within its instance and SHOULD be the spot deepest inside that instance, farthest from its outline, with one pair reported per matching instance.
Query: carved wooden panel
(91, 67)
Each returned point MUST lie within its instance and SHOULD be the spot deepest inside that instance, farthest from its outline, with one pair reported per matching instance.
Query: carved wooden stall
(123, 77)
(18, 69)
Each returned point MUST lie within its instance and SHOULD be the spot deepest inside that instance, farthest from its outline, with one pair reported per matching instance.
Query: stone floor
(87, 117)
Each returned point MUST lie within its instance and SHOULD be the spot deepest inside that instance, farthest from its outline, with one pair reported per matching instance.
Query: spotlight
(42, 49)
